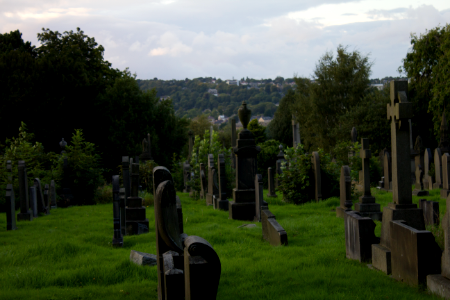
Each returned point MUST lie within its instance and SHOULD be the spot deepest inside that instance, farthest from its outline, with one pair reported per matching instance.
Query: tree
(259, 132)
(199, 125)
(280, 128)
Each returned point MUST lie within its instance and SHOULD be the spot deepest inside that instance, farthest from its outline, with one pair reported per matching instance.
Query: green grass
(68, 255)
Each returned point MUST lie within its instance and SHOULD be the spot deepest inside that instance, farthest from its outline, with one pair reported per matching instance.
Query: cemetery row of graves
(190, 267)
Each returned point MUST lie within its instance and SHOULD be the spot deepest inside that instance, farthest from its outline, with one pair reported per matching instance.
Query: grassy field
(68, 255)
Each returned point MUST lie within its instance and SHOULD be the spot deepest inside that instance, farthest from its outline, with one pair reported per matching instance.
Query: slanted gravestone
(345, 184)
(243, 205)
(387, 171)
(444, 143)
(122, 206)
(117, 238)
(419, 149)
(366, 206)
(42, 208)
(427, 161)
(146, 149)
(271, 183)
(213, 189)
(10, 208)
(430, 211)
(359, 236)
(402, 208)
(25, 213)
(233, 141)
(135, 219)
(437, 169)
(221, 202)
(52, 194)
(33, 201)
(279, 164)
(259, 199)
(46, 197)
(203, 183)
(445, 175)
(317, 180)
(272, 231)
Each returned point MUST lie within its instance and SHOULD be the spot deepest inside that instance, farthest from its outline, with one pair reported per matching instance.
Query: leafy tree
(280, 128)
(267, 157)
(259, 132)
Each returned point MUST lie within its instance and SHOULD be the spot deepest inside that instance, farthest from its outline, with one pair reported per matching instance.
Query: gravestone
(279, 164)
(295, 132)
(437, 169)
(366, 205)
(243, 205)
(117, 238)
(419, 150)
(259, 200)
(52, 194)
(359, 236)
(126, 176)
(233, 141)
(402, 208)
(186, 176)
(146, 149)
(122, 206)
(213, 188)
(387, 172)
(33, 201)
(271, 183)
(135, 219)
(272, 231)
(345, 183)
(445, 191)
(10, 202)
(42, 208)
(430, 211)
(25, 213)
(46, 197)
(317, 181)
(427, 161)
(221, 202)
(203, 183)
(444, 143)
(187, 266)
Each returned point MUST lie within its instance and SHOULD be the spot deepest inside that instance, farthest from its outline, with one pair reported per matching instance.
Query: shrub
(146, 175)
(104, 194)
(267, 158)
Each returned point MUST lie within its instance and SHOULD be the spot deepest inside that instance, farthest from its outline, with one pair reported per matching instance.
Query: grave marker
(445, 191)
(273, 232)
(233, 141)
(203, 183)
(122, 207)
(10, 208)
(135, 219)
(271, 183)
(213, 188)
(427, 161)
(117, 238)
(437, 169)
(420, 164)
(33, 201)
(25, 213)
(42, 208)
(52, 194)
(345, 192)
(279, 164)
(430, 211)
(221, 202)
(259, 200)
(46, 197)
(359, 236)
(146, 149)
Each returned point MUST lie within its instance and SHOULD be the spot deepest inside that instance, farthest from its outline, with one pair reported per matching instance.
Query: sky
(177, 39)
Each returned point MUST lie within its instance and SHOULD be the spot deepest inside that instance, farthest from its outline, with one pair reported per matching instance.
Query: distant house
(377, 85)
(254, 84)
(213, 91)
(243, 83)
(232, 82)
(264, 121)
(222, 117)
(211, 119)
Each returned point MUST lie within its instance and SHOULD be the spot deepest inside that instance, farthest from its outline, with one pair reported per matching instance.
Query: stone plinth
(439, 285)
(143, 259)
(272, 230)
(222, 201)
(359, 236)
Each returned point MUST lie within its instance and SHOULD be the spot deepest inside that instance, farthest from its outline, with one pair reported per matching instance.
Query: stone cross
(398, 112)
(10, 208)
(117, 238)
(445, 191)
(437, 168)
(25, 213)
(222, 200)
(126, 176)
(233, 141)
(315, 164)
(427, 160)
(271, 183)
(345, 183)
(444, 143)
(419, 163)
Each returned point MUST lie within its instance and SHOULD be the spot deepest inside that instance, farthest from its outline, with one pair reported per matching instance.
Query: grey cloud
(383, 13)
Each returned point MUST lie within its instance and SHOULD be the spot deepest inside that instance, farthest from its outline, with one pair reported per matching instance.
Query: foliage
(177, 172)
(146, 175)
(259, 132)
(83, 174)
(104, 194)
(199, 124)
(280, 128)
(267, 157)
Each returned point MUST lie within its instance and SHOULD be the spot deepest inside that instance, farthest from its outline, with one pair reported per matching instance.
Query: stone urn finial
(244, 115)
(63, 144)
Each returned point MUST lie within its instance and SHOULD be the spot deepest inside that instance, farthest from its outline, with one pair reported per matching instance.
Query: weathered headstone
(122, 206)
(367, 206)
(46, 197)
(243, 205)
(444, 143)
(271, 183)
(317, 180)
(402, 208)
(259, 199)
(437, 169)
(25, 213)
(52, 194)
(359, 236)
(42, 208)
(32, 192)
(117, 238)
(203, 182)
(221, 202)
(273, 232)
(233, 141)
(135, 219)
(279, 163)
(146, 149)
(10, 208)
(427, 161)
(430, 211)
(345, 183)
(419, 189)
(445, 191)
(387, 171)
(213, 188)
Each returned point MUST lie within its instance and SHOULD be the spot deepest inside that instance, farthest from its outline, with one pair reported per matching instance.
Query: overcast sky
(177, 39)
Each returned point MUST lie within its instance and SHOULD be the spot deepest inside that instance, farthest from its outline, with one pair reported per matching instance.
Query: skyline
(172, 39)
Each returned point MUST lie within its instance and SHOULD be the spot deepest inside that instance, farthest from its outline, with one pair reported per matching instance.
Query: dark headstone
(117, 238)
(42, 208)
(419, 158)
(221, 202)
(25, 212)
(345, 192)
(146, 149)
(427, 161)
(213, 188)
(271, 183)
(32, 192)
(122, 207)
(437, 169)
(46, 197)
(359, 236)
(52, 194)
(272, 230)
(203, 182)
(259, 200)
(135, 219)
(367, 206)
(9, 170)
(445, 191)
(126, 177)
(430, 211)
(10, 208)
(316, 180)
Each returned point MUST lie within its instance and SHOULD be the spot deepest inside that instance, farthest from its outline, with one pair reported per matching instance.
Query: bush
(267, 158)
(146, 175)
(104, 194)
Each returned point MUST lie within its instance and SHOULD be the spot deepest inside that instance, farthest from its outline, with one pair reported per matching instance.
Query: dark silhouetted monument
(135, 219)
